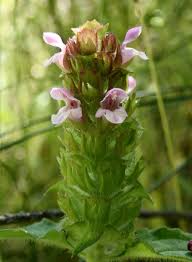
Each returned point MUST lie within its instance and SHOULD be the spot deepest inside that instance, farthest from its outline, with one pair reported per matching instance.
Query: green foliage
(47, 231)
(157, 245)
(162, 242)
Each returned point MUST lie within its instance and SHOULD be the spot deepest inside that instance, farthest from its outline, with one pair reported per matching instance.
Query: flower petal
(100, 112)
(117, 116)
(61, 115)
(118, 92)
(131, 84)
(59, 59)
(132, 34)
(76, 113)
(128, 53)
(53, 39)
(56, 58)
(60, 93)
(142, 55)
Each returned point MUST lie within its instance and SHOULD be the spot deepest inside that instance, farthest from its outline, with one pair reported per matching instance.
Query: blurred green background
(29, 143)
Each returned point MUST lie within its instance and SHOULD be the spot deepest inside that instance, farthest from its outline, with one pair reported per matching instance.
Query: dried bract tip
(92, 25)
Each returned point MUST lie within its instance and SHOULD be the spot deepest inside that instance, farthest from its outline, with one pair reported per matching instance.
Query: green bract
(100, 193)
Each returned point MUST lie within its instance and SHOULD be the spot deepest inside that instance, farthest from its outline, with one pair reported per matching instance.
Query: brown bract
(71, 50)
(72, 47)
(109, 43)
(66, 62)
(118, 57)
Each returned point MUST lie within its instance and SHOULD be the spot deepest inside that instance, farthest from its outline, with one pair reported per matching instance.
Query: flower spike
(98, 156)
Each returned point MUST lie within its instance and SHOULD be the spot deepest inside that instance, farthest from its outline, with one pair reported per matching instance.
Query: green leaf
(167, 243)
(41, 229)
(46, 231)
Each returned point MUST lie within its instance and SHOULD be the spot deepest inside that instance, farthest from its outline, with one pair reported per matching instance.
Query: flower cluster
(89, 59)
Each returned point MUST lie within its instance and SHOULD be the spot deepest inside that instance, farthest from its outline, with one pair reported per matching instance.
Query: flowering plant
(100, 193)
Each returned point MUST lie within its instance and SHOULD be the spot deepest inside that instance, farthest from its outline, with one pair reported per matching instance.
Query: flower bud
(109, 43)
(87, 41)
(111, 48)
(109, 60)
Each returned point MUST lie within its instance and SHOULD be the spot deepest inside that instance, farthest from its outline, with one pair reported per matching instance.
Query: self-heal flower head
(54, 40)
(111, 107)
(71, 110)
(128, 53)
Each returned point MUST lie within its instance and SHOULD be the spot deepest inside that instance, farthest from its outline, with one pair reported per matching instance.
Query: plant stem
(161, 107)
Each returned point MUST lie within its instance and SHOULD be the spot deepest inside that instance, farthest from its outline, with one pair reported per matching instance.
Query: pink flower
(71, 110)
(128, 53)
(54, 40)
(111, 107)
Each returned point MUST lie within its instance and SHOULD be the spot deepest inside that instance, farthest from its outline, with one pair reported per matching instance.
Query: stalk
(161, 107)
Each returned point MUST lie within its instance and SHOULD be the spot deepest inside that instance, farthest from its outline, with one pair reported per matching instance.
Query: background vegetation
(29, 143)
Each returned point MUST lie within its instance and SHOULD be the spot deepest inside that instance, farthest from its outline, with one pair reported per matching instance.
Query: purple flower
(54, 40)
(111, 107)
(71, 110)
(128, 53)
